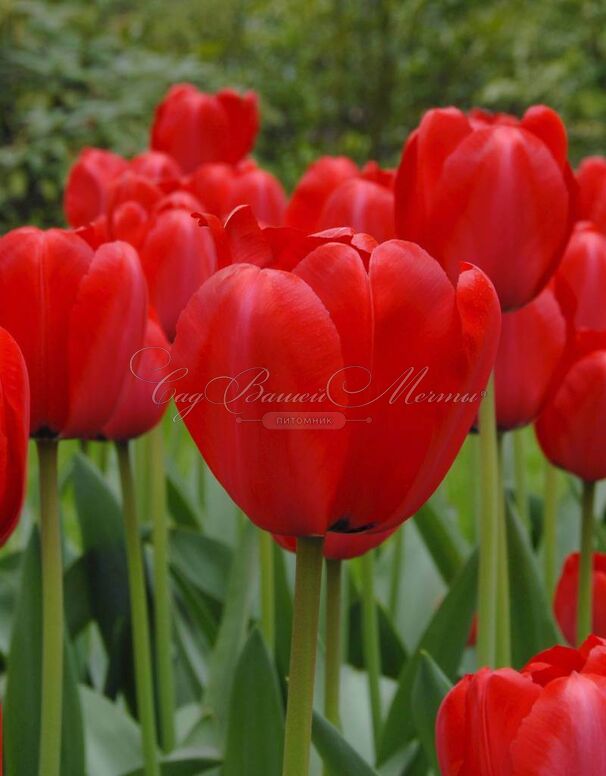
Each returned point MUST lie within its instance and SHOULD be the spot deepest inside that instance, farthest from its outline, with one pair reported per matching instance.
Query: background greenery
(335, 76)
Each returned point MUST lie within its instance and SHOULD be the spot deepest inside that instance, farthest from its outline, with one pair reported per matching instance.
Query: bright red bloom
(591, 177)
(342, 546)
(567, 596)
(531, 350)
(584, 270)
(333, 192)
(194, 127)
(78, 316)
(136, 412)
(547, 720)
(222, 187)
(570, 429)
(493, 190)
(14, 433)
(335, 326)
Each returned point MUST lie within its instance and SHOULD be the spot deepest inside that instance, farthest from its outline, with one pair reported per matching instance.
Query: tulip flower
(223, 187)
(531, 350)
(493, 190)
(294, 368)
(591, 179)
(194, 127)
(549, 719)
(14, 433)
(566, 597)
(333, 193)
(583, 268)
(318, 344)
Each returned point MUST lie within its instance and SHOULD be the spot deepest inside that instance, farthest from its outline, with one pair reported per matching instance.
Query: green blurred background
(335, 76)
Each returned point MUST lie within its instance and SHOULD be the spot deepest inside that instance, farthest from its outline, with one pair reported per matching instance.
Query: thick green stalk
(332, 669)
(308, 581)
(268, 624)
(139, 616)
(396, 571)
(550, 505)
(162, 597)
(503, 653)
(585, 605)
(370, 641)
(521, 484)
(489, 532)
(52, 612)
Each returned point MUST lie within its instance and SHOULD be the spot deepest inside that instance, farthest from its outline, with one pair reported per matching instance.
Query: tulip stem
(139, 615)
(519, 459)
(308, 581)
(52, 612)
(550, 503)
(489, 532)
(370, 640)
(396, 571)
(268, 624)
(503, 654)
(332, 669)
(585, 606)
(162, 597)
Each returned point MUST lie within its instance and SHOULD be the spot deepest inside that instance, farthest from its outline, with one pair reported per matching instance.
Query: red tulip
(531, 350)
(14, 432)
(567, 597)
(333, 193)
(87, 187)
(493, 190)
(584, 270)
(342, 546)
(222, 187)
(331, 325)
(194, 127)
(570, 429)
(591, 177)
(177, 256)
(136, 412)
(78, 316)
(547, 720)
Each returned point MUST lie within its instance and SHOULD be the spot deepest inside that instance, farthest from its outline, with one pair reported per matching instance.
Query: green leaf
(203, 561)
(445, 543)
(185, 762)
(393, 652)
(78, 609)
(255, 728)
(283, 611)
(532, 624)
(336, 753)
(445, 640)
(232, 633)
(429, 689)
(23, 693)
(180, 505)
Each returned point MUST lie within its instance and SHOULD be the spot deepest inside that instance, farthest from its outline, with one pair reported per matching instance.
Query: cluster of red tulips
(329, 352)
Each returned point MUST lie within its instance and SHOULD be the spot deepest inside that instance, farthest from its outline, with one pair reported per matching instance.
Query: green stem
(52, 612)
(396, 572)
(308, 581)
(162, 597)
(370, 640)
(139, 616)
(489, 532)
(503, 652)
(519, 459)
(550, 504)
(585, 606)
(268, 624)
(332, 669)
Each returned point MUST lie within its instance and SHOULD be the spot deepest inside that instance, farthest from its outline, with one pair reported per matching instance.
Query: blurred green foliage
(336, 76)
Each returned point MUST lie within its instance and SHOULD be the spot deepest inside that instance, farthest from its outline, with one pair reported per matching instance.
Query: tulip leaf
(393, 652)
(185, 762)
(532, 624)
(24, 694)
(234, 624)
(430, 687)
(180, 505)
(283, 611)
(336, 753)
(203, 561)
(445, 639)
(256, 715)
(445, 543)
